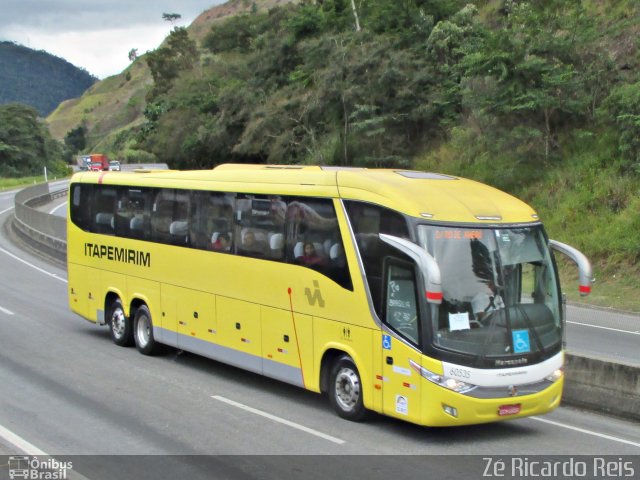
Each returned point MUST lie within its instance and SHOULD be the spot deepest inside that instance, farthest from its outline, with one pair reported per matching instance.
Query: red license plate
(509, 409)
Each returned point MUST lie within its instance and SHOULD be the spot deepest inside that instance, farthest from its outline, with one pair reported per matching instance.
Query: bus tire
(143, 332)
(345, 390)
(119, 325)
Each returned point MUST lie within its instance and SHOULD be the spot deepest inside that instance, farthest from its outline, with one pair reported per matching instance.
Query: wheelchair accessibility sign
(521, 343)
(386, 342)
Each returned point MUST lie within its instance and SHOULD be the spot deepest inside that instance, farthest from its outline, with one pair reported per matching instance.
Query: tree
(25, 143)
(526, 72)
(133, 54)
(166, 63)
(171, 17)
(75, 139)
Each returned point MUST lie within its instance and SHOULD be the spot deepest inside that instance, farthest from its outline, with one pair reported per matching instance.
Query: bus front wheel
(120, 325)
(143, 332)
(345, 390)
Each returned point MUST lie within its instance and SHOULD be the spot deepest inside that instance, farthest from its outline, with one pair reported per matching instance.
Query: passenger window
(368, 221)
(170, 217)
(314, 240)
(81, 199)
(401, 312)
(211, 225)
(259, 226)
(104, 207)
(132, 219)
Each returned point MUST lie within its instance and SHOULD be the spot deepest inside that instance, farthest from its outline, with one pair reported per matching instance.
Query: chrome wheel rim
(347, 389)
(118, 323)
(143, 330)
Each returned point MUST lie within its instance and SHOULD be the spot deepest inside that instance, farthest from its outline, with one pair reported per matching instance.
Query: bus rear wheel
(143, 332)
(345, 390)
(120, 325)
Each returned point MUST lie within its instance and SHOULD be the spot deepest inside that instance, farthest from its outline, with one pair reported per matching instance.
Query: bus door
(400, 340)
(407, 272)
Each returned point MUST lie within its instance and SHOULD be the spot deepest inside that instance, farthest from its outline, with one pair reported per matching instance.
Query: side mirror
(584, 266)
(426, 263)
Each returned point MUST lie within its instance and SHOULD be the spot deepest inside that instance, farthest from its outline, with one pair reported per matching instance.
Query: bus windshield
(500, 293)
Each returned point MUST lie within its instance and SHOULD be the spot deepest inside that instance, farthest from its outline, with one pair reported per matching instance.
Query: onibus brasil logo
(33, 468)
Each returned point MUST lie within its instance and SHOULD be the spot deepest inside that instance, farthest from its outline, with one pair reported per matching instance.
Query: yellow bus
(425, 297)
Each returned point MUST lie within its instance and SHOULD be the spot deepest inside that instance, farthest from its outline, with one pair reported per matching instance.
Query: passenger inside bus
(221, 242)
(311, 257)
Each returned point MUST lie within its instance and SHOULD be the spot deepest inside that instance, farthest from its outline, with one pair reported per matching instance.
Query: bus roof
(430, 196)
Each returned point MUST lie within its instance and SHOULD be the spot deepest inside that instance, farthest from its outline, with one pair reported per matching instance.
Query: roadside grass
(11, 183)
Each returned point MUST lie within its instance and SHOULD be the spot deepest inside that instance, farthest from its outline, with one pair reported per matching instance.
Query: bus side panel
(95, 296)
(239, 329)
(280, 346)
(352, 340)
(196, 315)
(165, 328)
(78, 289)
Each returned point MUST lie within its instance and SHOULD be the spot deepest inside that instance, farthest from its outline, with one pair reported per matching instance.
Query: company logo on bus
(117, 254)
(511, 362)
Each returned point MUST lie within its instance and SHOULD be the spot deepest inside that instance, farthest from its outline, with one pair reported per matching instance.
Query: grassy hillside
(541, 99)
(117, 104)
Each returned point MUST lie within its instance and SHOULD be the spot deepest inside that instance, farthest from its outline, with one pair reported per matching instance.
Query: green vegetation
(38, 78)
(16, 183)
(26, 145)
(541, 99)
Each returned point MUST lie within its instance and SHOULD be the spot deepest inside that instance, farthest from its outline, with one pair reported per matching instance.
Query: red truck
(99, 161)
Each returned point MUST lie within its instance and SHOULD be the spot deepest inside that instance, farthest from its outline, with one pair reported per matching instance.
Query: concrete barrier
(602, 386)
(45, 232)
(597, 385)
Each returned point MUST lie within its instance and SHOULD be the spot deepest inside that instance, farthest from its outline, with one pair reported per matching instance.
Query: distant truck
(83, 162)
(99, 161)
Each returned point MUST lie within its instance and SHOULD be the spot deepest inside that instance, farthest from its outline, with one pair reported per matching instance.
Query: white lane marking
(33, 266)
(279, 420)
(20, 443)
(6, 210)
(4, 310)
(588, 432)
(55, 208)
(605, 328)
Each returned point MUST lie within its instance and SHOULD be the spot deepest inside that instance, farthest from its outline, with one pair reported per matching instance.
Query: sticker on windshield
(521, 342)
(459, 321)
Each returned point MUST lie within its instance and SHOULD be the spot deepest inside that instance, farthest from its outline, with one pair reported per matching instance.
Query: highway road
(67, 390)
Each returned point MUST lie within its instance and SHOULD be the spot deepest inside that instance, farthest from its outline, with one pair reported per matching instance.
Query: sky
(96, 35)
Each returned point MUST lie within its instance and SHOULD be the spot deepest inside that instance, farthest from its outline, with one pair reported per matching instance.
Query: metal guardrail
(41, 229)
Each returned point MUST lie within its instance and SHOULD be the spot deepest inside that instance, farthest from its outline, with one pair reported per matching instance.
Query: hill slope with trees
(541, 99)
(38, 79)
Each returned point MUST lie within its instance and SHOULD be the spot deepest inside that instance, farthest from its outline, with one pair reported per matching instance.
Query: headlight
(446, 382)
(555, 376)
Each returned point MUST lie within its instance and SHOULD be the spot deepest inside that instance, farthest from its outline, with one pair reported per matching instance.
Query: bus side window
(132, 213)
(313, 238)
(170, 217)
(104, 206)
(81, 198)
(368, 221)
(259, 226)
(401, 305)
(211, 217)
